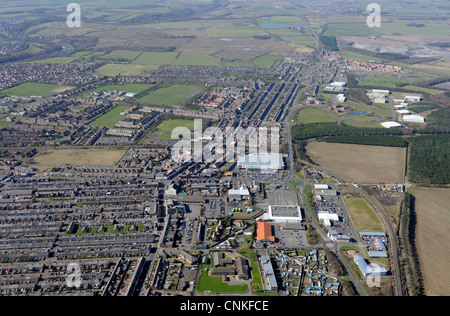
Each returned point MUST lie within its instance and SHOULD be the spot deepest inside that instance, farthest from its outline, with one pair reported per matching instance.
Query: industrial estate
(320, 167)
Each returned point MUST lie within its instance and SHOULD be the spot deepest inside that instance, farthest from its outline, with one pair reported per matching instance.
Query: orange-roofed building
(264, 232)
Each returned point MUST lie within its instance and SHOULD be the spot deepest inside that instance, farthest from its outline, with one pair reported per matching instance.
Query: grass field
(266, 61)
(79, 157)
(156, 58)
(169, 125)
(432, 237)
(363, 216)
(388, 81)
(174, 95)
(112, 70)
(35, 89)
(166, 127)
(216, 286)
(360, 163)
(119, 55)
(315, 116)
(190, 59)
(109, 118)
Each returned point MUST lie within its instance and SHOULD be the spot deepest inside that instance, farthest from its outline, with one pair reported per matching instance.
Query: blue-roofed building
(377, 254)
(380, 243)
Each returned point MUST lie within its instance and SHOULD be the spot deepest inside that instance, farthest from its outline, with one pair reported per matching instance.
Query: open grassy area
(388, 81)
(363, 216)
(109, 118)
(315, 116)
(190, 59)
(156, 58)
(166, 127)
(360, 163)
(122, 55)
(214, 285)
(112, 70)
(266, 61)
(174, 95)
(79, 157)
(34, 89)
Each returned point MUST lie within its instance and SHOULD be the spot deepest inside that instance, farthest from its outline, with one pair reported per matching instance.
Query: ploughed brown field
(360, 163)
(432, 208)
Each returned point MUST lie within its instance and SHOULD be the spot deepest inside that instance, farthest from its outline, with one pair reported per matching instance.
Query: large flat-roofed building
(238, 194)
(414, 119)
(284, 214)
(268, 278)
(261, 162)
(413, 98)
(391, 125)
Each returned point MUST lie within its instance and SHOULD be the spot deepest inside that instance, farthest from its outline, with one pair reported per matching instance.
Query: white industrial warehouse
(414, 119)
(284, 214)
(391, 125)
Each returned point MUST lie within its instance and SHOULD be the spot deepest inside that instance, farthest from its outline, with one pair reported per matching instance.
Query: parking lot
(290, 237)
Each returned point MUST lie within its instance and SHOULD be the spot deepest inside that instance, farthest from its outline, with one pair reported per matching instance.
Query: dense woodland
(318, 130)
(429, 161)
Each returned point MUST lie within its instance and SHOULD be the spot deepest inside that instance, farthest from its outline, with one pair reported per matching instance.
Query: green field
(363, 216)
(266, 61)
(174, 95)
(215, 285)
(34, 89)
(189, 59)
(388, 81)
(112, 70)
(169, 125)
(166, 127)
(232, 29)
(3, 123)
(315, 116)
(122, 55)
(156, 58)
(110, 118)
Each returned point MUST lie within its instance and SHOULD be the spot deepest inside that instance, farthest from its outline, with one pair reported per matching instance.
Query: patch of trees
(359, 95)
(440, 118)
(408, 229)
(429, 161)
(300, 151)
(318, 130)
(329, 42)
(373, 140)
(416, 24)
